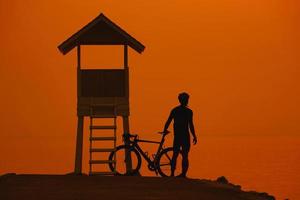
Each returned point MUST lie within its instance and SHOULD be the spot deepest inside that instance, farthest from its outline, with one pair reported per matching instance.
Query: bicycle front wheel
(164, 162)
(122, 158)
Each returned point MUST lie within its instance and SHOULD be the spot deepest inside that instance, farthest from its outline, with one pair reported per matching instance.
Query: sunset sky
(238, 59)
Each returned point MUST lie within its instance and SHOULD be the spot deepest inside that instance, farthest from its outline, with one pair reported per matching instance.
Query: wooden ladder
(93, 139)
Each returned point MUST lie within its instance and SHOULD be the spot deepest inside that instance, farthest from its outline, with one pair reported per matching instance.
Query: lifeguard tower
(101, 93)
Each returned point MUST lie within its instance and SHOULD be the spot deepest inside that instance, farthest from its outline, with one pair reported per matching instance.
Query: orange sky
(239, 60)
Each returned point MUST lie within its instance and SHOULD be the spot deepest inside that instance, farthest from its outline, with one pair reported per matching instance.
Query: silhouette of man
(183, 122)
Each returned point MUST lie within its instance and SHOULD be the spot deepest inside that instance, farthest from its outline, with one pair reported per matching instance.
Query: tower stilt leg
(79, 144)
(126, 141)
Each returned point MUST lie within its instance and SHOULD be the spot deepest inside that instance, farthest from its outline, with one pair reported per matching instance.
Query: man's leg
(185, 163)
(176, 149)
(173, 162)
(185, 157)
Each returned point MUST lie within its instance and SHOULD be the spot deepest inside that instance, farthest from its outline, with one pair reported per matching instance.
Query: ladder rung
(103, 116)
(103, 127)
(102, 173)
(102, 150)
(102, 138)
(101, 161)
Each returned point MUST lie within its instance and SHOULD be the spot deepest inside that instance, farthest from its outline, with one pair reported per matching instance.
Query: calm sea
(263, 164)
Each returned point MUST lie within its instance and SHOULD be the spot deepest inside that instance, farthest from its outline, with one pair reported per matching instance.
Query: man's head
(183, 98)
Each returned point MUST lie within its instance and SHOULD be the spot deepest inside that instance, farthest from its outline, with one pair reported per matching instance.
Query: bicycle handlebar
(128, 135)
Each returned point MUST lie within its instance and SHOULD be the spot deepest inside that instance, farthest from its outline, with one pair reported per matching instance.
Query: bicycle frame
(135, 145)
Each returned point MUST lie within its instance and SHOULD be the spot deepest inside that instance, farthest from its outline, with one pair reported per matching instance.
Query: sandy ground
(72, 187)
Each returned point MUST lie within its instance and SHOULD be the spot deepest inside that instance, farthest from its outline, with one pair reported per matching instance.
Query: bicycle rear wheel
(164, 162)
(121, 159)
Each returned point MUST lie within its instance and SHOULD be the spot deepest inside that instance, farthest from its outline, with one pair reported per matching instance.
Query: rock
(223, 180)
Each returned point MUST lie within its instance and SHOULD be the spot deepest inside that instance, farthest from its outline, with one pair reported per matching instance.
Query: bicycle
(160, 162)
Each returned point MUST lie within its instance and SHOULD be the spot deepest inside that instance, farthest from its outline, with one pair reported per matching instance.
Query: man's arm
(191, 125)
(167, 124)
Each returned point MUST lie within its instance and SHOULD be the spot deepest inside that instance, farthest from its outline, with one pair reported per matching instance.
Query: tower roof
(100, 31)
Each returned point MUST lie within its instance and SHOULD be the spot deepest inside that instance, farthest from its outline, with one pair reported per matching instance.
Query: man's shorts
(182, 143)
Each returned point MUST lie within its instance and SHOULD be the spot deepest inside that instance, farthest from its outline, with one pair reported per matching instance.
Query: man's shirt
(183, 117)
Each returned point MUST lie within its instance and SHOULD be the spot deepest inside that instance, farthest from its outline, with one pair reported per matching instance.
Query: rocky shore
(72, 187)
